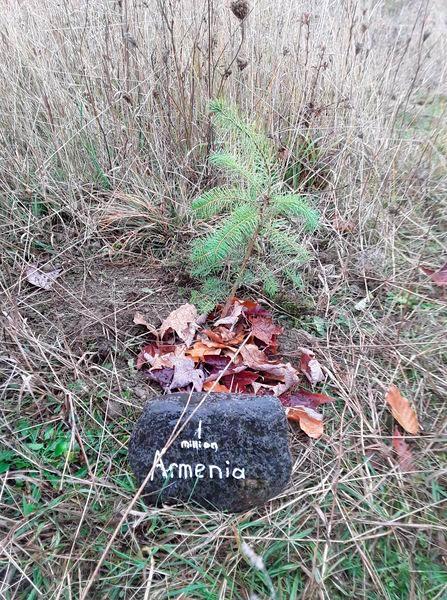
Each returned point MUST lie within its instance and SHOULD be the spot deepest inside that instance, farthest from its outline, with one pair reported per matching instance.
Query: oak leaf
(402, 411)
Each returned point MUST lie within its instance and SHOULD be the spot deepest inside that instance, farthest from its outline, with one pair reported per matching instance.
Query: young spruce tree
(256, 224)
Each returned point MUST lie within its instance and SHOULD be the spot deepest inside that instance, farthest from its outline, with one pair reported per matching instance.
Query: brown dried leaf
(344, 225)
(140, 319)
(183, 321)
(224, 337)
(185, 374)
(439, 277)
(159, 356)
(310, 421)
(233, 317)
(149, 352)
(263, 389)
(162, 360)
(290, 379)
(302, 397)
(233, 355)
(253, 356)
(212, 386)
(199, 350)
(257, 360)
(402, 411)
(265, 330)
(146, 354)
(310, 366)
(40, 278)
(403, 451)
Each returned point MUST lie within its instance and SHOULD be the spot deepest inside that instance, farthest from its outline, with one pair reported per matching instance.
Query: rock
(232, 452)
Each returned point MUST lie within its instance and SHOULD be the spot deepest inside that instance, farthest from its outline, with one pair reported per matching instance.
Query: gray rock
(232, 453)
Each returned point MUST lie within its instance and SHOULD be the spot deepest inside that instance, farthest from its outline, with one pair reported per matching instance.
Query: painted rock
(223, 451)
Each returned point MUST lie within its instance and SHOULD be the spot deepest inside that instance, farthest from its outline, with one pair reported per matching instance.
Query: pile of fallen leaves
(237, 353)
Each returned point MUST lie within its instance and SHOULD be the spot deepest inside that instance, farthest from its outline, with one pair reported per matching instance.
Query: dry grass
(104, 138)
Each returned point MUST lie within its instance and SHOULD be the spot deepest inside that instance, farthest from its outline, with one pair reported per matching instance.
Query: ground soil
(93, 305)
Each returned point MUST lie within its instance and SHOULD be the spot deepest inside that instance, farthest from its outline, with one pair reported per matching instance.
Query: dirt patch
(91, 307)
(292, 340)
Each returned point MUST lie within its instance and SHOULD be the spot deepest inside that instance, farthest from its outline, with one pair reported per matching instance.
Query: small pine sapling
(256, 225)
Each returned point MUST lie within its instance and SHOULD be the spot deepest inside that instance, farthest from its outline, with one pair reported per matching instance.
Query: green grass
(347, 529)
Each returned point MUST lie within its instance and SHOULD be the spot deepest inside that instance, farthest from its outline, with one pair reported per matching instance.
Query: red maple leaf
(238, 382)
(302, 397)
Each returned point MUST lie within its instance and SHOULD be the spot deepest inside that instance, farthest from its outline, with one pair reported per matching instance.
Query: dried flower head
(240, 9)
(242, 63)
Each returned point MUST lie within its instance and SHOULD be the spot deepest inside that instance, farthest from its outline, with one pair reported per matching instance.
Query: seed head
(240, 9)
(242, 63)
